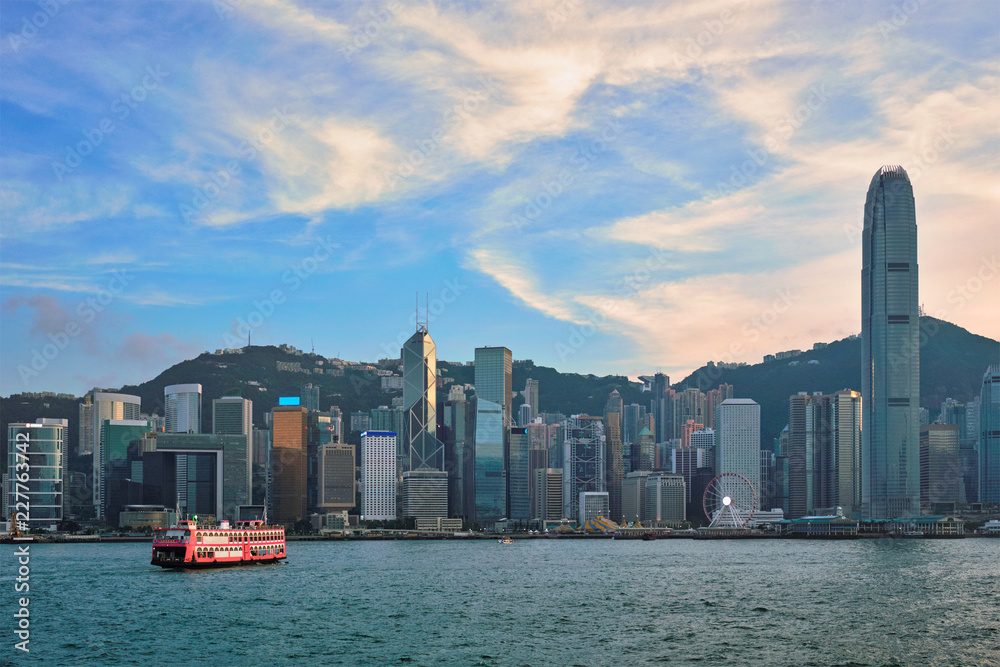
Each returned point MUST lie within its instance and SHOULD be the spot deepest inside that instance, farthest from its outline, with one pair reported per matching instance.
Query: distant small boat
(506, 540)
(648, 537)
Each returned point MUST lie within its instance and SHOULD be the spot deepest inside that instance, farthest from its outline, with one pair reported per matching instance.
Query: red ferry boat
(244, 543)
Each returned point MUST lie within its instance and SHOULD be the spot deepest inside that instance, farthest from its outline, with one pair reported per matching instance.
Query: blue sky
(603, 188)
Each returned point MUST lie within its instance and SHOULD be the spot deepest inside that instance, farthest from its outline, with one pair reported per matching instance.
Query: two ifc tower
(890, 333)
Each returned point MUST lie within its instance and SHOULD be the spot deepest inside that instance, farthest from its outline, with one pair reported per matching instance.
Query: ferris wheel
(729, 501)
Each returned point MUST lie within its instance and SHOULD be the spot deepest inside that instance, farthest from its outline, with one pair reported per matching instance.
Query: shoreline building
(824, 453)
(493, 369)
(737, 443)
(105, 406)
(584, 463)
(378, 475)
(42, 447)
(890, 329)
(989, 436)
(182, 408)
(289, 440)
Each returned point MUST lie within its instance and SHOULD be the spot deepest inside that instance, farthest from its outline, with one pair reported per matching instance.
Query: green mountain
(952, 363)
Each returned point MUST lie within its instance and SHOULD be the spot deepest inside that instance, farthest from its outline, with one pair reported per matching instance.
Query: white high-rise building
(182, 407)
(378, 475)
(737, 443)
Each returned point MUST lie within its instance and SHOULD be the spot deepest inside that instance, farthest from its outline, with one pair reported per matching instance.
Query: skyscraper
(824, 453)
(531, 398)
(182, 408)
(423, 449)
(584, 463)
(378, 475)
(737, 445)
(42, 447)
(233, 415)
(989, 436)
(289, 437)
(493, 366)
(106, 406)
(890, 383)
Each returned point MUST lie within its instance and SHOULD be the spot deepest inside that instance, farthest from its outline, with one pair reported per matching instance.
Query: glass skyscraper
(492, 432)
(423, 450)
(35, 460)
(182, 408)
(989, 436)
(890, 386)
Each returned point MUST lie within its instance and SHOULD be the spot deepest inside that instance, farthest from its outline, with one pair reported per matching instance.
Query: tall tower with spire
(890, 330)
(423, 449)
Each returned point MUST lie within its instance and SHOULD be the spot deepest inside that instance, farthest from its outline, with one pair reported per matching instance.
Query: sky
(607, 188)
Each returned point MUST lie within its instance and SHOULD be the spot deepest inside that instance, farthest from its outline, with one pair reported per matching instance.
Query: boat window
(199, 539)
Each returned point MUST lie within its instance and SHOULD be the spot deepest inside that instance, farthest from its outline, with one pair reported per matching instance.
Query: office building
(584, 465)
(233, 415)
(423, 450)
(519, 475)
(36, 451)
(309, 396)
(530, 394)
(591, 504)
(378, 475)
(458, 417)
(890, 329)
(940, 469)
(524, 415)
(210, 471)
(824, 453)
(989, 437)
(493, 366)
(643, 450)
(737, 446)
(182, 408)
(666, 500)
(106, 406)
(336, 477)
(425, 494)
(547, 494)
(288, 464)
(634, 496)
(615, 469)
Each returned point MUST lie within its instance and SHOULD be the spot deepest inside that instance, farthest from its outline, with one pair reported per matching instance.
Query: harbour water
(535, 602)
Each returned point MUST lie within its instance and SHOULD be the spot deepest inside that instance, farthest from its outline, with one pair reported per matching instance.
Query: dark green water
(537, 602)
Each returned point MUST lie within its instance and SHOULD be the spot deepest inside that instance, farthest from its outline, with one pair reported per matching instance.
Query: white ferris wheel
(729, 501)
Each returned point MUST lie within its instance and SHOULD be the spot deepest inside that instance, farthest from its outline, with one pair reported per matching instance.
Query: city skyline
(554, 186)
